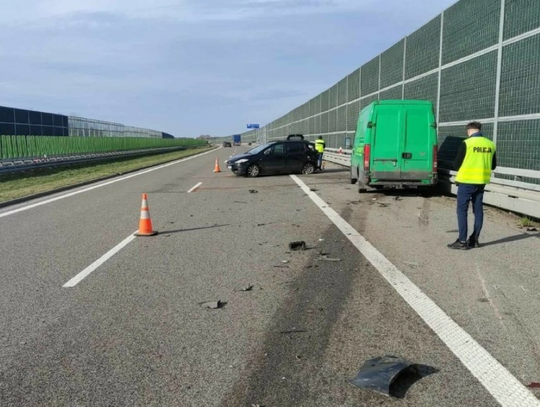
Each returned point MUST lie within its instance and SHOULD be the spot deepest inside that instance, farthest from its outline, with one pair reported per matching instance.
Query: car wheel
(308, 169)
(253, 171)
(353, 180)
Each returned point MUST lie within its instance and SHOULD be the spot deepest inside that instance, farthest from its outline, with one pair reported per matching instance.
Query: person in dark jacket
(475, 160)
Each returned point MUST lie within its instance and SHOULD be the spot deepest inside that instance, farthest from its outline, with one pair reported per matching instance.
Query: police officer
(319, 146)
(475, 160)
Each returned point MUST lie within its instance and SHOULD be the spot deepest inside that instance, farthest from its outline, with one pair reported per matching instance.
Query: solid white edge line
(24, 208)
(194, 188)
(86, 272)
(502, 385)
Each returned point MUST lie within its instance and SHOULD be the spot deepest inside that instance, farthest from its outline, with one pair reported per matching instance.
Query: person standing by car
(319, 146)
(474, 162)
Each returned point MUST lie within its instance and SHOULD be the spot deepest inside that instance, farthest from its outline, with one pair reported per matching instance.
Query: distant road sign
(252, 126)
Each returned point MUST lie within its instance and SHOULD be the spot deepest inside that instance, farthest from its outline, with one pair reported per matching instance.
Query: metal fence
(478, 60)
(22, 122)
(81, 127)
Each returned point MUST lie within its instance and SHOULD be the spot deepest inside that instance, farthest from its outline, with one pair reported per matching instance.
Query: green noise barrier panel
(15, 147)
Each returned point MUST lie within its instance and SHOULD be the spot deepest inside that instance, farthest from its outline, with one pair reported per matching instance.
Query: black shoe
(473, 242)
(458, 245)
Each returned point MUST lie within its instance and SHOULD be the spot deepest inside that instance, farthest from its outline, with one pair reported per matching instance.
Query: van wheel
(308, 169)
(253, 171)
(353, 180)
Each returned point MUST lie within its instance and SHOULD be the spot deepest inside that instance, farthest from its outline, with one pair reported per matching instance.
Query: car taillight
(435, 157)
(367, 156)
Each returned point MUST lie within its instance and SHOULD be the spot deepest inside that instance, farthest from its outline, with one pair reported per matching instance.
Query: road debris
(213, 304)
(379, 373)
(297, 245)
(532, 230)
(247, 288)
(326, 258)
(284, 261)
(321, 240)
(384, 205)
(534, 385)
(398, 198)
(313, 189)
(253, 191)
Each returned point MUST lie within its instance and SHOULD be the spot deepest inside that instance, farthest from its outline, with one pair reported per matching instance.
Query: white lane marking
(136, 174)
(86, 272)
(194, 188)
(504, 387)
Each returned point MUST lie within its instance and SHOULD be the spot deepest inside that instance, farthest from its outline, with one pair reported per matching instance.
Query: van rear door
(386, 142)
(418, 142)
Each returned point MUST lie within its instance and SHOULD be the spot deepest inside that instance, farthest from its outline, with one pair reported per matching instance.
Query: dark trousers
(475, 194)
(319, 160)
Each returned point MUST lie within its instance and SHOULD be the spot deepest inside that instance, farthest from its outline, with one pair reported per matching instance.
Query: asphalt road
(133, 331)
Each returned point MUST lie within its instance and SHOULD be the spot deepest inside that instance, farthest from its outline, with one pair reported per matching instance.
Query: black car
(227, 144)
(277, 157)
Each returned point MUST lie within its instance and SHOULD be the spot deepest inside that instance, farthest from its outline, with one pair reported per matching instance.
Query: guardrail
(511, 195)
(26, 164)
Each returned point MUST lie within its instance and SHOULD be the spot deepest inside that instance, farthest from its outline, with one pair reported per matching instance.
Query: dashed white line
(502, 385)
(92, 267)
(34, 205)
(194, 188)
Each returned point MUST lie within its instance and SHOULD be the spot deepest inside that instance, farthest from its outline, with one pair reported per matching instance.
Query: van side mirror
(370, 125)
(267, 152)
(434, 125)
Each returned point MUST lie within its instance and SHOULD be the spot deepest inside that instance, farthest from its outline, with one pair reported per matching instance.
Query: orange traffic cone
(216, 167)
(145, 223)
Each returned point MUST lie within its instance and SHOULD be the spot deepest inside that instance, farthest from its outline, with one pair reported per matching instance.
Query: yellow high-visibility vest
(319, 145)
(476, 167)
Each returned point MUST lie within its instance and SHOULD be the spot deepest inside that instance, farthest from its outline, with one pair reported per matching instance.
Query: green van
(395, 145)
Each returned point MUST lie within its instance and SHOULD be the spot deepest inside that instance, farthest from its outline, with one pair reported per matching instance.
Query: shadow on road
(408, 378)
(332, 170)
(509, 239)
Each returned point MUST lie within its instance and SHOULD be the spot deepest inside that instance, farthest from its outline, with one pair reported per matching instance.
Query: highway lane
(491, 292)
(133, 332)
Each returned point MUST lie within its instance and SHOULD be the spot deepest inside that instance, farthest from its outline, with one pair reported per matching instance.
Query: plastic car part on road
(378, 374)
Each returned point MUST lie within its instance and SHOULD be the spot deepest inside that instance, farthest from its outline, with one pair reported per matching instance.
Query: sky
(191, 67)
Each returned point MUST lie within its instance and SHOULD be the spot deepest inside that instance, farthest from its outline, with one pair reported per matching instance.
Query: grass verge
(13, 186)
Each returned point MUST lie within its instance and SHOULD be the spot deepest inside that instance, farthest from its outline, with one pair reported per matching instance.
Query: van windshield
(257, 150)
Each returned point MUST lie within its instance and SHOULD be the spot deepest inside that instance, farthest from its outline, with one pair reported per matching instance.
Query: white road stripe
(136, 174)
(504, 387)
(194, 188)
(86, 272)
